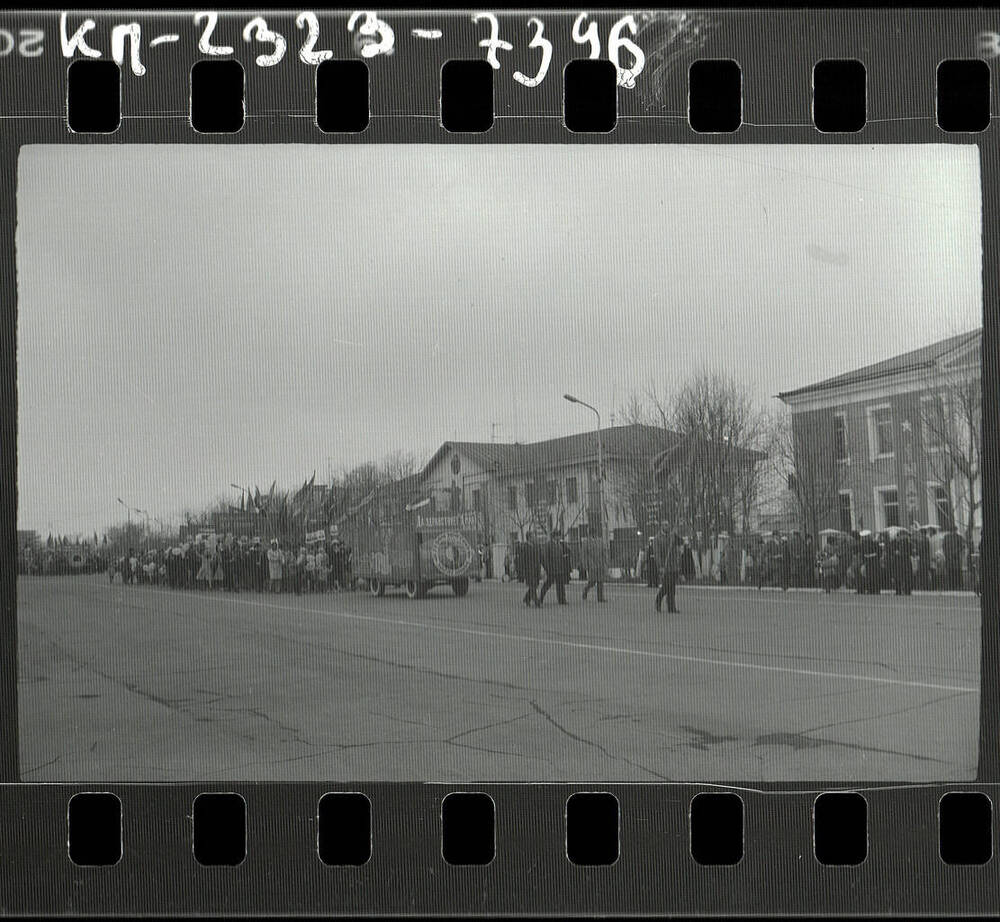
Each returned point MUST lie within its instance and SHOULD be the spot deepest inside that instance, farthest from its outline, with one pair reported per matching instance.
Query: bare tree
(951, 409)
(719, 412)
(804, 456)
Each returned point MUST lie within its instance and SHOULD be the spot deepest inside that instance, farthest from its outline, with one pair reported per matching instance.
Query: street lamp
(600, 462)
(146, 514)
(128, 512)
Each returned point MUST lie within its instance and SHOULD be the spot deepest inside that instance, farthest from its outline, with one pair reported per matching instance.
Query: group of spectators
(234, 564)
(901, 560)
(898, 559)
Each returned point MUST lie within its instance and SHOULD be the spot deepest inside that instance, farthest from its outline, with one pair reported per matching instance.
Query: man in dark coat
(530, 570)
(905, 562)
(652, 575)
(869, 563)
(555, 559)
(810, 561)
(923, 544)
(687, 563)
(953, 547)
(668, 560)
(596, 559)
(228, 561)
(769, 552)
(797, 551)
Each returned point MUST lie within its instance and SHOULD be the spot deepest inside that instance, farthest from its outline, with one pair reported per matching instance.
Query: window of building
(887, 506)
(571, 490)
(550, 492)
(880, 431)
(512, 496)
(840, 437)
(933, 422)
(846, 513)
(476, 500)
(943, 512)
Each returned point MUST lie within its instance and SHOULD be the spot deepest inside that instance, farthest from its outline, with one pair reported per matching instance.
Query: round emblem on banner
(452, 553)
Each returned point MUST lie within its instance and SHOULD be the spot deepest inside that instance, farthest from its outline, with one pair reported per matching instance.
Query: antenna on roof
(493, 432)
(612, 420)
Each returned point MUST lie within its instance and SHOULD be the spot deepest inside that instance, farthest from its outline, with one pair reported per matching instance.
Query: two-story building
(553, 483)
(895, 443)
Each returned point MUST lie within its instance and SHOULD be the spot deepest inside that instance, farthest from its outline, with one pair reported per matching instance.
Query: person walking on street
(555, 559)
(596, 561)
(530, 568)
(667, 550)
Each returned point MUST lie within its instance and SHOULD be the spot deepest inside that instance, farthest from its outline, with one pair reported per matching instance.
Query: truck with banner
(412, 547)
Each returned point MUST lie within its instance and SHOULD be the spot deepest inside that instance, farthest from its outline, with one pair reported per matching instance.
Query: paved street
(143, 684)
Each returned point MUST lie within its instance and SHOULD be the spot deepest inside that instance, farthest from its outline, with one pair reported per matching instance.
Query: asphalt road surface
(142, 684)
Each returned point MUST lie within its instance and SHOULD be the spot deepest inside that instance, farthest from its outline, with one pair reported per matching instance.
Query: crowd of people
(901, 561)
(898, 560)
(860, 560)
(238, 564)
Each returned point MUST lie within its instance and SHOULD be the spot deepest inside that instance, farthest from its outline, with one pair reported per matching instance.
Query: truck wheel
(376, 587)
(460, 587)
(415, 590)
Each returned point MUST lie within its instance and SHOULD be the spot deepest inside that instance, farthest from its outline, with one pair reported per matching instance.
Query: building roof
(923, 358)
(512, 457)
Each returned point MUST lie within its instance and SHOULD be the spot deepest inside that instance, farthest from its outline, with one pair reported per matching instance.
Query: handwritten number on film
(589, 36)
(374, 36)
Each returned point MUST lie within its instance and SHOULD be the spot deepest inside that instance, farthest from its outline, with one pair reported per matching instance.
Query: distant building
(551, 484)
(895, 443)
(26, 539)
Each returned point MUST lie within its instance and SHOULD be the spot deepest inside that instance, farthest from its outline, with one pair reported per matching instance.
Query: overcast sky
(190, 316)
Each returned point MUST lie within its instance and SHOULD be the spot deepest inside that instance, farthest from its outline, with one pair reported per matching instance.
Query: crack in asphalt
(451, 740)
(540, 710)
(39, 767)
(912, 707)
(798, 741)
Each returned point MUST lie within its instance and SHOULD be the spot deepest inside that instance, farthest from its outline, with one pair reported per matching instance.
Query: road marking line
(600, 649)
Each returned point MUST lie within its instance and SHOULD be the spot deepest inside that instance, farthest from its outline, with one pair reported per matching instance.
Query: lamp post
(128, 519)
(143, 512)
(600, 463)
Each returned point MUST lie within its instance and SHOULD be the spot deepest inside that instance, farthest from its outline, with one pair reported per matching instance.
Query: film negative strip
(499, 462)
